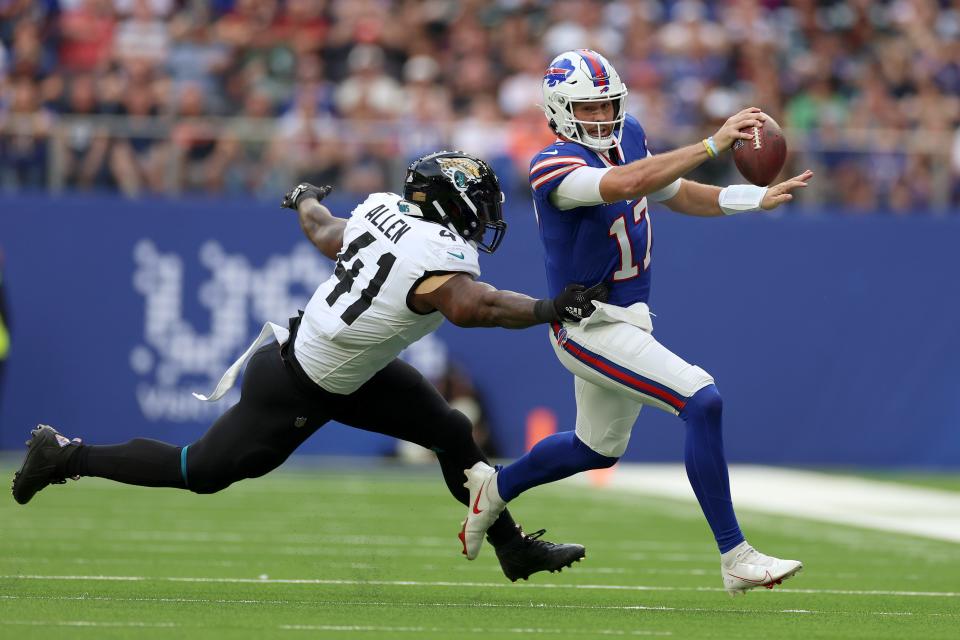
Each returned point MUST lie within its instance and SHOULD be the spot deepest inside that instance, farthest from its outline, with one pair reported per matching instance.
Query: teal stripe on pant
(183, 465)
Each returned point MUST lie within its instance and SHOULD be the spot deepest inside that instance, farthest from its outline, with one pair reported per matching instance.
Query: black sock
(504, 530)
(143, 462)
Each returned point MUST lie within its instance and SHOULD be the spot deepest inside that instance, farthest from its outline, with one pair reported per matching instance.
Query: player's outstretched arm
(320, 226)
(697, 199)
(643, 177)
(468, 303)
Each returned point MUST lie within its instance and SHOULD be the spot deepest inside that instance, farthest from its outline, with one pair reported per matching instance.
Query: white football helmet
(583, 75)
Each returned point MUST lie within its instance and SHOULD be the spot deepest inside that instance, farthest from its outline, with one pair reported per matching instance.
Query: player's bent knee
(206, 474)
(592, 459)
(208, 488)
(455, 427)
(705, 403)
(604, 462)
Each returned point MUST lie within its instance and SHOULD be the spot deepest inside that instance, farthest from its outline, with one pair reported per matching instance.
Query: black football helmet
(456, 189)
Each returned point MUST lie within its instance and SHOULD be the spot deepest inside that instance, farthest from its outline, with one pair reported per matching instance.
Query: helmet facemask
(490, 214)
(587, 132)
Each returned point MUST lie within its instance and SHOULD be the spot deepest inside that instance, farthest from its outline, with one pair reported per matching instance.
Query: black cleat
(47, 453)
(528, 554)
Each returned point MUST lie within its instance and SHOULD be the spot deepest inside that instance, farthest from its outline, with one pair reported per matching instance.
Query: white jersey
(360, 318)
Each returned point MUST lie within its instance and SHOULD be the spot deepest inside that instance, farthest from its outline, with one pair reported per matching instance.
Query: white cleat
(483, 509)
(744, 568)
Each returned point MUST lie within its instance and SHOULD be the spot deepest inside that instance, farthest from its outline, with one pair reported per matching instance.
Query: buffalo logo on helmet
(558, 71)
(460, 171)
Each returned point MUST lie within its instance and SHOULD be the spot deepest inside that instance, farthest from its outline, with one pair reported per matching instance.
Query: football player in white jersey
(404, 263)
(590, 189)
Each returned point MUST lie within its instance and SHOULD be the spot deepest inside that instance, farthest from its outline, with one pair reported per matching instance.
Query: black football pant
(279, 408)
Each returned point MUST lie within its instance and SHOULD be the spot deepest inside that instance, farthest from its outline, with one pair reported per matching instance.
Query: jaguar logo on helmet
(461, 171)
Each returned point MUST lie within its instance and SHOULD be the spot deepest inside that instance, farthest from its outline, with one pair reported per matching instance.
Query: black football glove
(573, 304)
(293, 198)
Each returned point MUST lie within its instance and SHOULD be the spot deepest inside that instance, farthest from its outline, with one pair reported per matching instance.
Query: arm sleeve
(580, 188)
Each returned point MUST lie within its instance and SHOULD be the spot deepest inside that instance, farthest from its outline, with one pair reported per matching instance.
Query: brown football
(761, 158)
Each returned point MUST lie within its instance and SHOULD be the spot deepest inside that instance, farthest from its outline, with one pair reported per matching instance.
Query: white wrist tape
(738, 198)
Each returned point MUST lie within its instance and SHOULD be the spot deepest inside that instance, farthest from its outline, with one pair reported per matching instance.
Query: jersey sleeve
(550, 166)
(444, 252)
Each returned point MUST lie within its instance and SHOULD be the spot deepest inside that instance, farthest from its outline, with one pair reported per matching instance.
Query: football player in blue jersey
(590, 191)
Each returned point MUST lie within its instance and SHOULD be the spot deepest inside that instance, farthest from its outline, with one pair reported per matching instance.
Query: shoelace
(530, 537)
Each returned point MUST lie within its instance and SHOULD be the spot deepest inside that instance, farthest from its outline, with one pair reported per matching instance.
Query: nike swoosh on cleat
(477, 501)
(549, 153)
(763, 581)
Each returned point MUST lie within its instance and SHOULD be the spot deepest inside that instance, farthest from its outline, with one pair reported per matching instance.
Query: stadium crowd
(250, 96)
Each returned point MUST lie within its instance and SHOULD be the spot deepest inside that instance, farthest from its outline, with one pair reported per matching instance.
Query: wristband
(544, 311)
(740, 198)
(711, 147)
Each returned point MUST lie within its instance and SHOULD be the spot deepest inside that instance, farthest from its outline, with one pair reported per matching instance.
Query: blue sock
(707, 467)
(553, 458)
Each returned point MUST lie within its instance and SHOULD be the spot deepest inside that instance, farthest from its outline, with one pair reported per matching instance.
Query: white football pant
(618, 368)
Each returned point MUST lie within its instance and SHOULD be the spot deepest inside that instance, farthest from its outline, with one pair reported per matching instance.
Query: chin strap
(445, 219)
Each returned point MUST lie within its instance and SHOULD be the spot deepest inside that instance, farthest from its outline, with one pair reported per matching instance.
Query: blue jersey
(608, 242)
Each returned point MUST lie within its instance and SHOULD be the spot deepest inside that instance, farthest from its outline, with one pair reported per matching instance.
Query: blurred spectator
(143, 36)
(140, 154)
(85, 141)
(28, 56)
(425, 108)
(195, 57)
(24, 137)
(482, 131)
(303, 25)
(86, 32)
(579, 24)
(305, 148)
(368, 87)
(194, 140)
(241, 162)
(521, 90)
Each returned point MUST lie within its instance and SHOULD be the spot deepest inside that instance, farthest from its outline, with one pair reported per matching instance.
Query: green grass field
(348, 554)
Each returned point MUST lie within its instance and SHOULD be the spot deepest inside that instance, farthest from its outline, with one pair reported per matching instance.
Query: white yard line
(87, 623)
(460, 585)
(885, 506)
(484, 630)
(736, 610)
